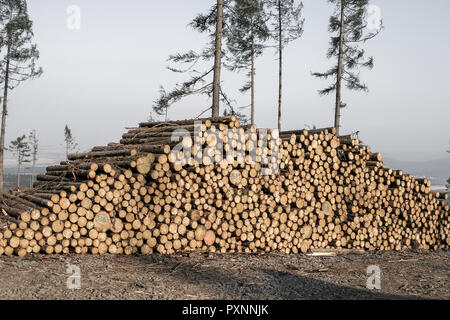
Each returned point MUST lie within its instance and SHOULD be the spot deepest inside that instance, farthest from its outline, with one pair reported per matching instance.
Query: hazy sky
(105, 76)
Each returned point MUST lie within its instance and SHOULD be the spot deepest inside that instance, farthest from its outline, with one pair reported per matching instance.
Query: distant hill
(438, 171)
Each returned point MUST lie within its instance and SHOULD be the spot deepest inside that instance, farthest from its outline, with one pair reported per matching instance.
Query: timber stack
(215, 185)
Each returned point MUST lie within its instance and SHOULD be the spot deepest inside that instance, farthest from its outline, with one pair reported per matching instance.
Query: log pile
(216, 185)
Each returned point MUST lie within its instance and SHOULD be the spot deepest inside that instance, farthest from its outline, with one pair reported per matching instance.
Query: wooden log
(100, 154)
(36, 200)
(226, 119)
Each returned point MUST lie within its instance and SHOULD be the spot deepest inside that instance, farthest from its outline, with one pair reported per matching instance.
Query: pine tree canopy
(355, 33)
(189, 62)
(199, 66)
(17, 49)
(247, 33)
(286, 16)
(69, 139)
(246, 36)
(34, 142)
(20, 148)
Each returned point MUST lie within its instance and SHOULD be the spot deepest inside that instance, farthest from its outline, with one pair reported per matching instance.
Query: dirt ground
(404, 275)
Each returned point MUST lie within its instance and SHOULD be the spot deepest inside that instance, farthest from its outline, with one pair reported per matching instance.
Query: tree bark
(218, 59)
(19, 161)
(172, 125)
(337, 114)
(32, 172)
(253, 79)
(280, 53)
(4, 111)
(2, 147)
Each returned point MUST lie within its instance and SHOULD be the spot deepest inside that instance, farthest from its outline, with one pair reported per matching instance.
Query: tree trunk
(253, 80)
(4, 113)
(337, 114)
(218, 57)
(2, 147)
(18, 171)
(280, 53)
(32, 173)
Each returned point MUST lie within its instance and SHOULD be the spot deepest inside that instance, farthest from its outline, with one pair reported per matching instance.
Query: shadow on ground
(221, 282)
(195, 275)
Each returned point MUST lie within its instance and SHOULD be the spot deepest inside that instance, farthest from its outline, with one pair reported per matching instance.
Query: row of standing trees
(25, 150)
(241, 30)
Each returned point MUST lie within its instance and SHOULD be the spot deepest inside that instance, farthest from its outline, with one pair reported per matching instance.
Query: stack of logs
(230, 188)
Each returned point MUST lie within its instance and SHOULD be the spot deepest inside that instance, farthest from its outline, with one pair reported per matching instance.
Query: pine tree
(246, 41)
(212, 24)
(18, 56)
(21, 149)
(287, 26)
(34, 143)
(152, 117)
(349, 28)
(71, 144)
(241, 117)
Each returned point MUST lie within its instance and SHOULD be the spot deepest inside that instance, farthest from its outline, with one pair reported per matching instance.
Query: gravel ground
(404, 275)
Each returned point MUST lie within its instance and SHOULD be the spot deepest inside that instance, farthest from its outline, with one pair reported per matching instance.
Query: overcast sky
(105, 76)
